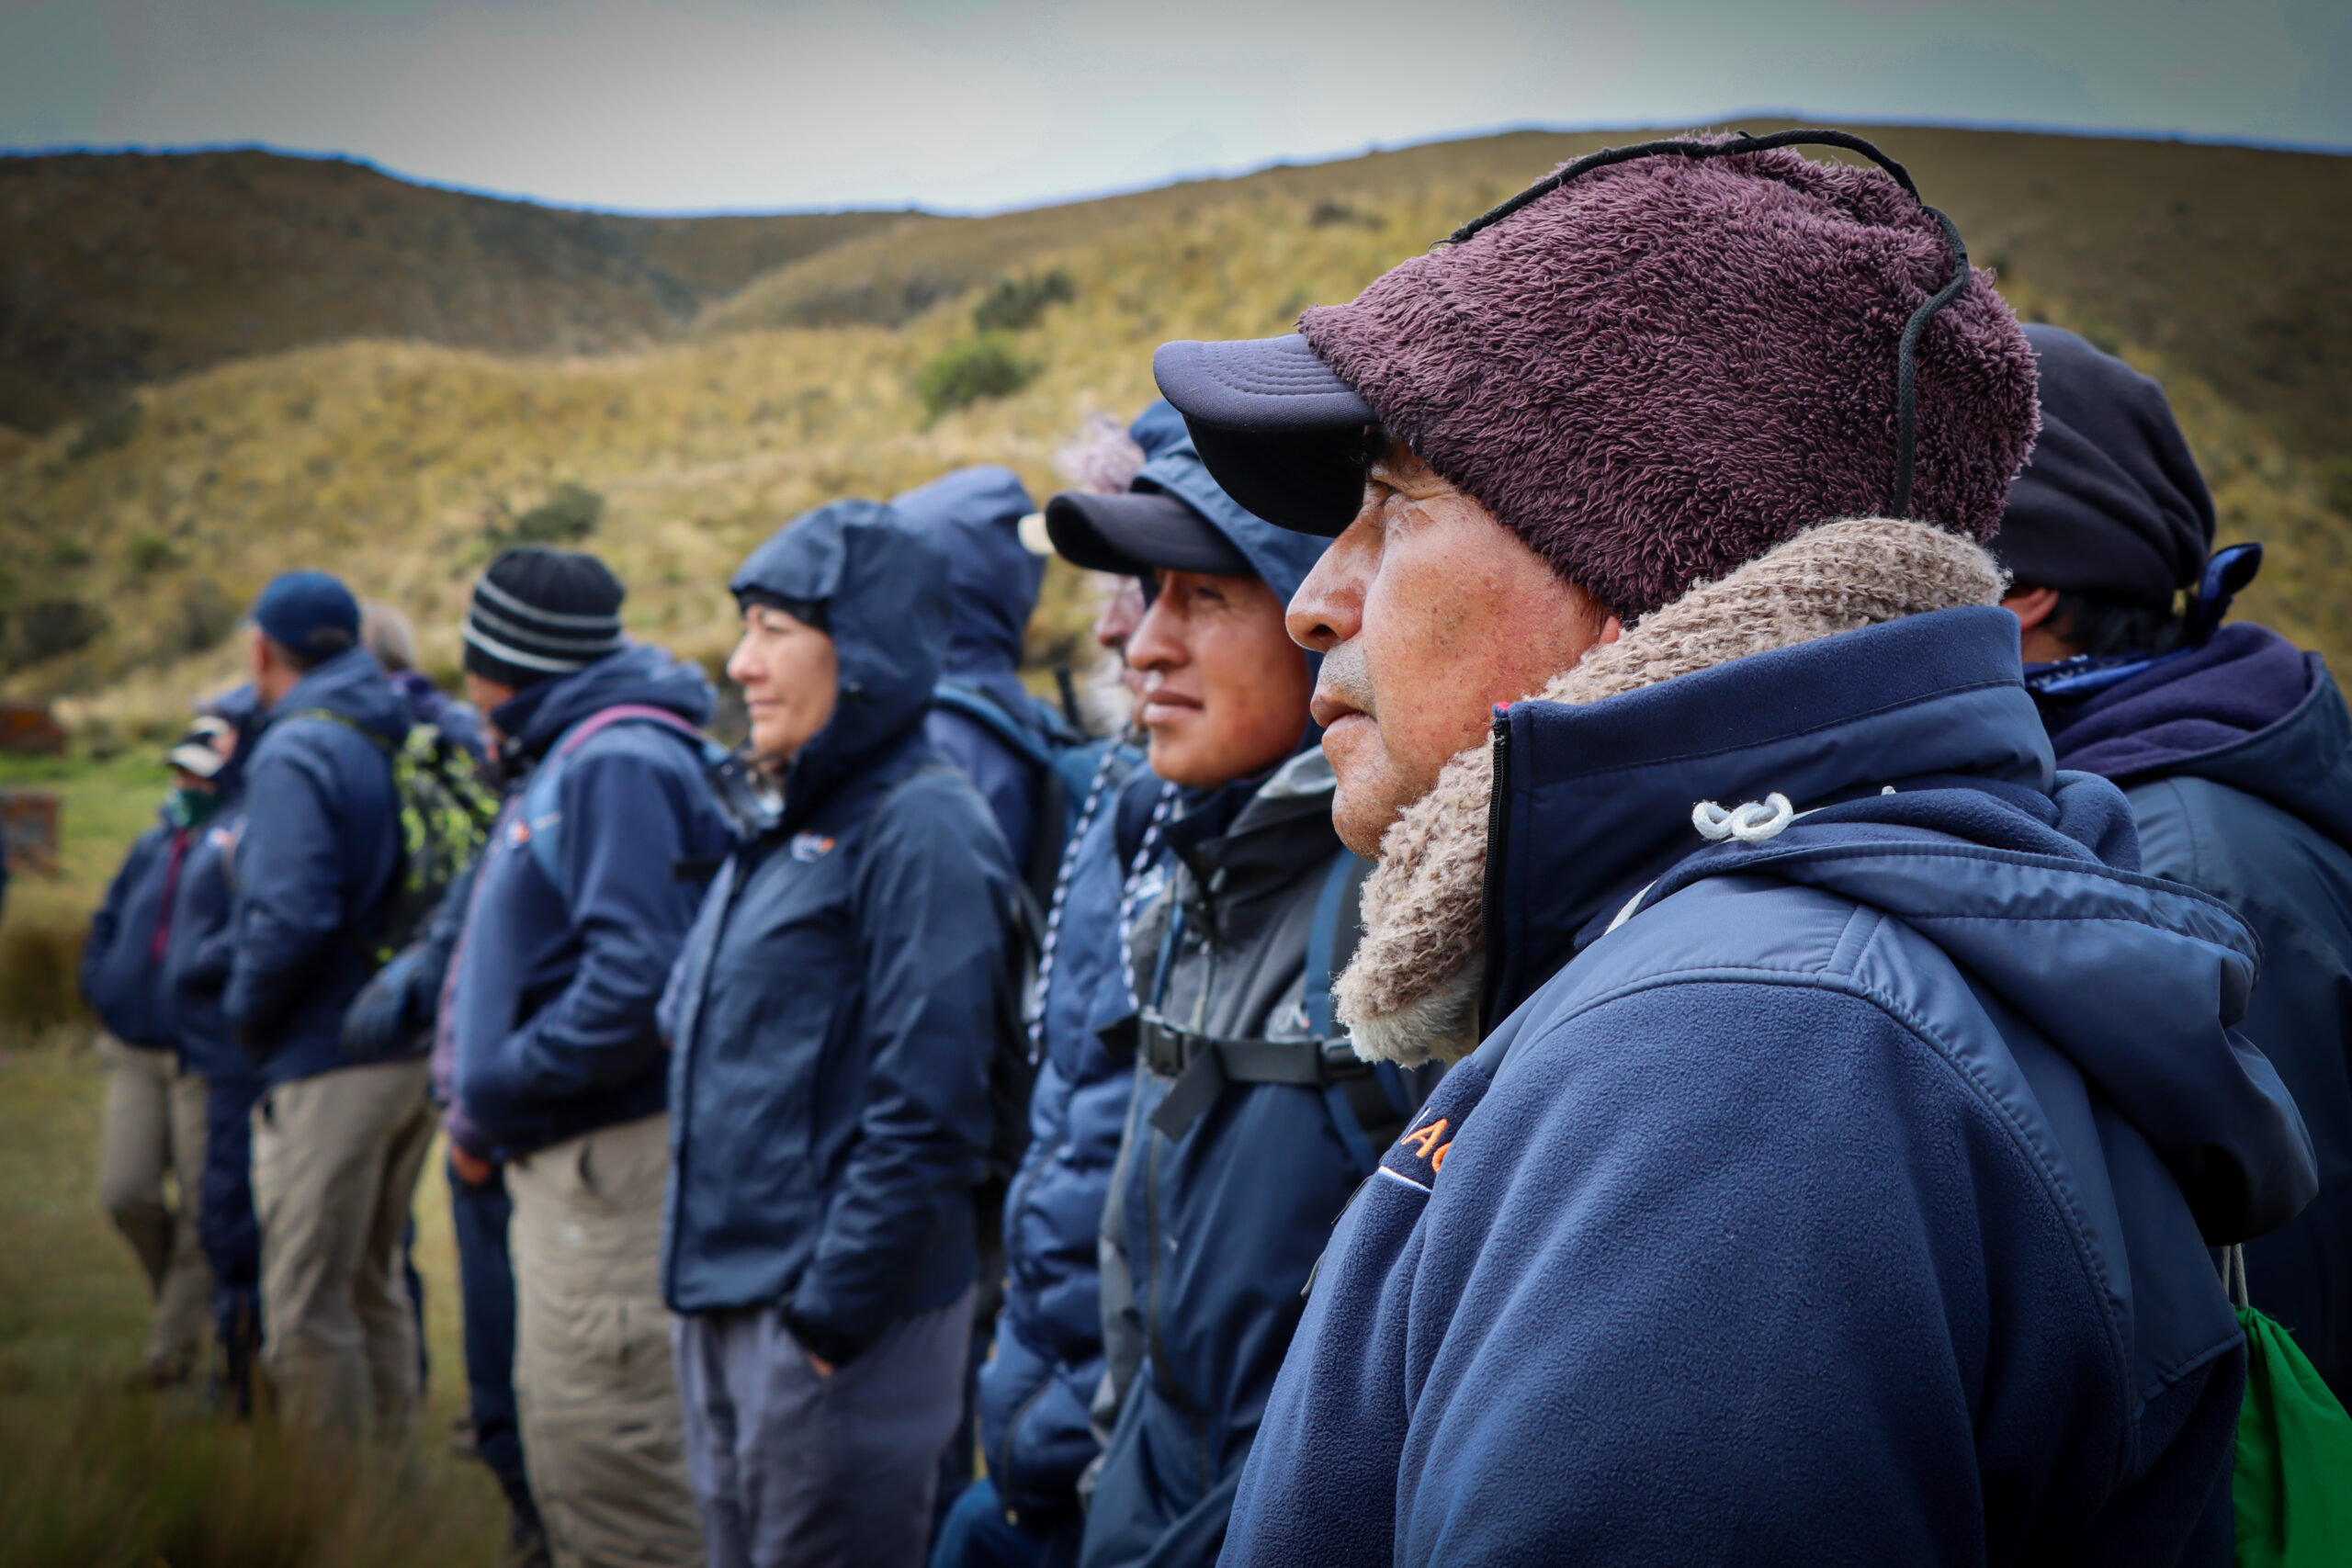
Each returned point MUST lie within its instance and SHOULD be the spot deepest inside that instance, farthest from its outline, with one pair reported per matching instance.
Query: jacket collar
(1715, 697)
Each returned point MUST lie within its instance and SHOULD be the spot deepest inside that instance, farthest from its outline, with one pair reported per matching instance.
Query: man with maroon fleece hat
(1839, 1120)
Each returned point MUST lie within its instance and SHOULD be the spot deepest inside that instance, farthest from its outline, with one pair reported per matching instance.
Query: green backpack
(2291, 1484)
(445, 818)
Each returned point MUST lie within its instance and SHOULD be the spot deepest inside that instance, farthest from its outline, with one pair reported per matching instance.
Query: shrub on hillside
(1016, 304)
(47, 628)
(968, 372)
(104, 431)
(569, 515)
(40, 965)
(149, 553)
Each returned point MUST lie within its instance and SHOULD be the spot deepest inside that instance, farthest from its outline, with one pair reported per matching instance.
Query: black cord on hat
(1907, 388)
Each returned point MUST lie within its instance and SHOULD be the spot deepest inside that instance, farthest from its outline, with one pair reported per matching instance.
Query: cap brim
(1136, 534)
(1276, 427)
(201, 761)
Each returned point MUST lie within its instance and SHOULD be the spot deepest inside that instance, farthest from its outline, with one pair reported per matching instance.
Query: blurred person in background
(154, 1118)
(1250, 1122)
(2231, 743)
(385, 632)
(834, 1019)
(1038, 1383)
(337, 1140)
(984, 722)
(195, 968)
(571, 920)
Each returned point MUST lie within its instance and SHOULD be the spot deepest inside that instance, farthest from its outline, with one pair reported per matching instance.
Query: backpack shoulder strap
(984, 710)
(541, 815)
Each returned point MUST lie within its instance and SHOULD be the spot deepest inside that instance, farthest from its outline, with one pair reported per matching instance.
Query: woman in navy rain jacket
(833, 1016)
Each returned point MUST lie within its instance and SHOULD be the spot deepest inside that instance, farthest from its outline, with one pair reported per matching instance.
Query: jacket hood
(974, 516)
(885, 589)
(2249, 709)
(639, 673)
(353, 684)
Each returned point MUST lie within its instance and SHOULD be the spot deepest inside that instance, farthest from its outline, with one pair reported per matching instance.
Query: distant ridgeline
(216, 365)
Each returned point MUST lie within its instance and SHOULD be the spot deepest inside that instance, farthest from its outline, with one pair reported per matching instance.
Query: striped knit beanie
(538, 614)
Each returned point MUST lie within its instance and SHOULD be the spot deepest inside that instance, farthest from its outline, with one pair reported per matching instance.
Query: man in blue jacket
(1037, 1386)
(155, 1121)
(1846, 1118)
(1249, 1124)
(337, 1140)
(574, 916)
(195, 968)
(2231, 744)
(834, 1019)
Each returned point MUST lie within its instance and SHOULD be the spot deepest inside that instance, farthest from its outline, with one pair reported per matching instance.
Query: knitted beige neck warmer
(1411, 992)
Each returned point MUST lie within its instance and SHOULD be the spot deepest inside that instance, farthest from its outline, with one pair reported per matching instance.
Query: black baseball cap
(1279, 429)
(1136, 534)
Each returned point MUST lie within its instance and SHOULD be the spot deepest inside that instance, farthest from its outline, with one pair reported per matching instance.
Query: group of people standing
(1671, 968)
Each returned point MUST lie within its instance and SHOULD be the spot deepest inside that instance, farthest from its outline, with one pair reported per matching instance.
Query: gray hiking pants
(796, 1468)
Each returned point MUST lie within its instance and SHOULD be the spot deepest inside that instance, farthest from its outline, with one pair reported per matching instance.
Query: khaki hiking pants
(336, 1163)
(603, 1443)
(155, 1128)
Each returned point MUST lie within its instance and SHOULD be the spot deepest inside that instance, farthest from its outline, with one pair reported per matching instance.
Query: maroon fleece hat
(1658, 370)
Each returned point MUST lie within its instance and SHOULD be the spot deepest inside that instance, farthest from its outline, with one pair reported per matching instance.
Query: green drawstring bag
(2291, 1486)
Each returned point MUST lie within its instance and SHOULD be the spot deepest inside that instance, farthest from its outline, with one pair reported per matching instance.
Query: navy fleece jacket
(1848, 1202)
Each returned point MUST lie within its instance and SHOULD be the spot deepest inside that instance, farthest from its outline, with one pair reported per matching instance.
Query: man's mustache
(1347, 678)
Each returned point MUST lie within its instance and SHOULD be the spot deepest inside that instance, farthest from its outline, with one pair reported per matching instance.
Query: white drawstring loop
(1750, 824)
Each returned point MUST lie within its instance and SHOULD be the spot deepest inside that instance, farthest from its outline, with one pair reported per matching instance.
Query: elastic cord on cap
(1906, 389)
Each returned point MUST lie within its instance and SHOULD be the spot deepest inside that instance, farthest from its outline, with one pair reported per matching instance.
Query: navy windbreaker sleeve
(625, 816)
(291, 897)
(100, 938)
(929, 897)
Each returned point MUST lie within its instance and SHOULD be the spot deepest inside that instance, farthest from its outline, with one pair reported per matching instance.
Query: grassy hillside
(130, 542)
(122, 268)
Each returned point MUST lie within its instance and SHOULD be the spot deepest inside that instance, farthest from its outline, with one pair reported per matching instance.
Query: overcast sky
(756, 105)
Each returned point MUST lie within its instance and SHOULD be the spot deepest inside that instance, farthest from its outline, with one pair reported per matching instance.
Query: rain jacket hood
(638, 674)
(885, 588)
(974, 516)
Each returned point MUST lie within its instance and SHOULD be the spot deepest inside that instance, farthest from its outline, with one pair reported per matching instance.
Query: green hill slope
(130, 543)
(122, 268)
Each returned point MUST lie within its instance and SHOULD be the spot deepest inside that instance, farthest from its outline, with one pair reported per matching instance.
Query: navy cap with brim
(1138, 534)
(1277, 428)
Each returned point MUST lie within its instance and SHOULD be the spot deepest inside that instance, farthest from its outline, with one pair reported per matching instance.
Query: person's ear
(2031, 606)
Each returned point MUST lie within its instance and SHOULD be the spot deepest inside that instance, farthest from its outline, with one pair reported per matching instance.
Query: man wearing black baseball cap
(338, 1139)
(1250, 1122)
(2231, 743)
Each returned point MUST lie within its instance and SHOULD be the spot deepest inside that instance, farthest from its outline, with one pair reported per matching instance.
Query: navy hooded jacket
(1849, 1201)
(557, 981)
(1037, 1388)
(835, 1008)
(974, 516)
(315, 866)
(203, 941)
(2237, 760)
(121, 956)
